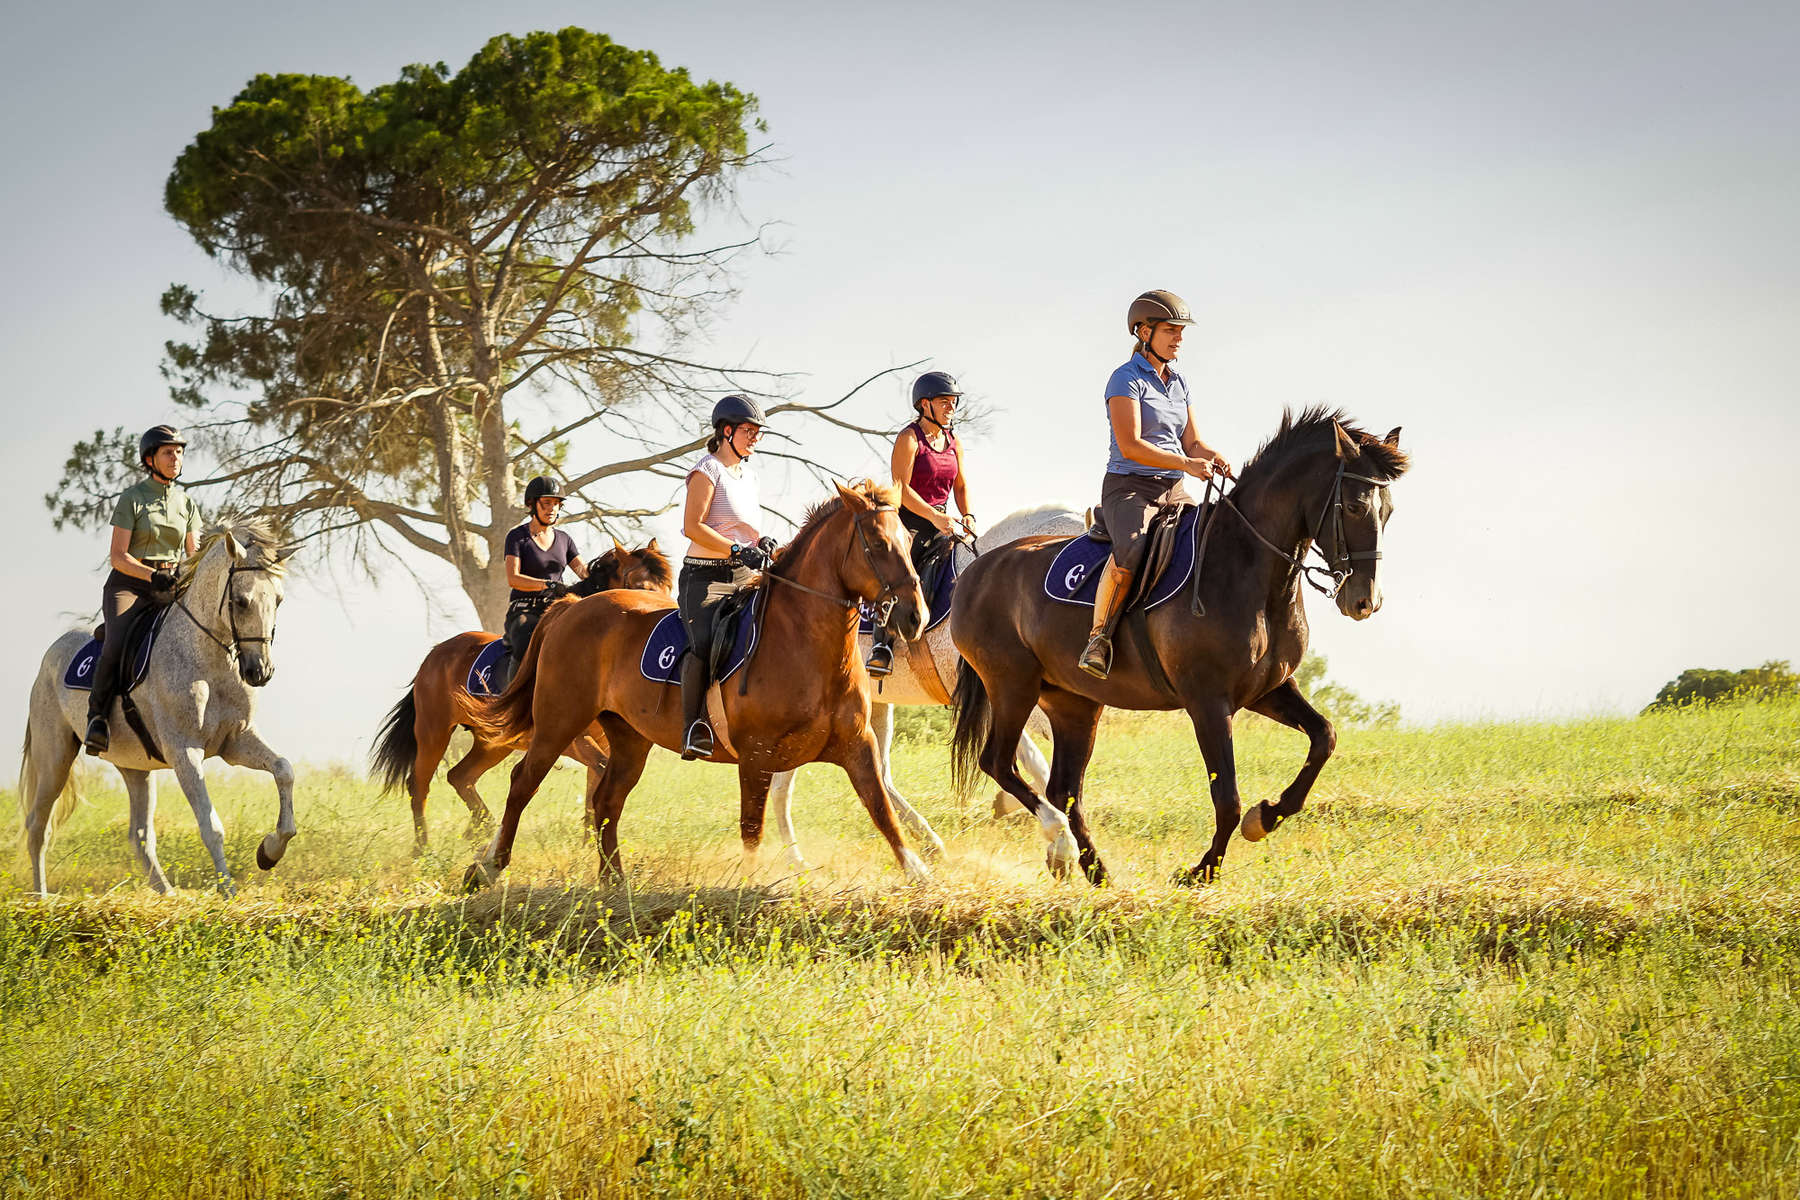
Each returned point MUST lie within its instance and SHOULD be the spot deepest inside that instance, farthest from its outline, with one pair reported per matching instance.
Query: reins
(884, 600)
(230, 614)
(1338, 566)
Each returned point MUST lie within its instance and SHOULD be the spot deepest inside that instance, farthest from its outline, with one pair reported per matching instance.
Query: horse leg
(881, 722)
(432, 739)
(999, 758)
(1212, 728)
(554, 727)
(140, 787)
(247, 749)
(1074, 723)
(1035, 768)
(51, 757)
(187, 762)
(606, 803)
(781, 796)
(1286, 705)
(865, 776)
(481, 758)
(586, 751)
(753, 797)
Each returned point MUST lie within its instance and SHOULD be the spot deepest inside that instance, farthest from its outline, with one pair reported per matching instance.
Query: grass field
(1498, 960)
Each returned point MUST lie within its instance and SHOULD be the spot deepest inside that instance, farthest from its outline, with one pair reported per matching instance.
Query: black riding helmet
(931, 385)
(155, 438)
(737, 410)
(544, 487)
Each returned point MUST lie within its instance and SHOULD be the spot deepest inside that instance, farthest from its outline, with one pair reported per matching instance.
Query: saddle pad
(80, 672)
(661, 660)
(486, 668)
(1074, 576)
(943, 591)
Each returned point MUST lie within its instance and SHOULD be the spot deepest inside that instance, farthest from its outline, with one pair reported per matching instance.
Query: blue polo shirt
(1162, 414)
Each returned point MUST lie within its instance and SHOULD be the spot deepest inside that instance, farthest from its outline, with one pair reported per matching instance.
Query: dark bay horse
(415, 734)
(1319, 482)
(803, 697)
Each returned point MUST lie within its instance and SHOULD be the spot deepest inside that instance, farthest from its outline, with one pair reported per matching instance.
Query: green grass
(1553, 960)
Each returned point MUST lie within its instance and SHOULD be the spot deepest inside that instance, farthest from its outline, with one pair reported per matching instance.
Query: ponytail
(717, 439)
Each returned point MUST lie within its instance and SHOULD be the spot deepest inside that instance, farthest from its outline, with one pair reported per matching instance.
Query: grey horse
(197, 701)
(905, 687)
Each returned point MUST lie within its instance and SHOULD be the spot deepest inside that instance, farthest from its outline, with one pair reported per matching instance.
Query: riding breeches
(118, 596)
(703, 583)
(522, 617)
(1127, 505)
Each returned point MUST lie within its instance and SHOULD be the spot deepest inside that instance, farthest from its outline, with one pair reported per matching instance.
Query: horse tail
(395, 754)
(507, 717)
(974, 713)
(66, 800)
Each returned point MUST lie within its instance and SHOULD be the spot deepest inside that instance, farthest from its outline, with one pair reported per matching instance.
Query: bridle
(229, 612)
(885, 599)
(1339, 563)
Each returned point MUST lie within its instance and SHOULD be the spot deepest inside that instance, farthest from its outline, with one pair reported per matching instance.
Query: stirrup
(881, 661)
(699, 743)
(1096, 660)
(98, 739)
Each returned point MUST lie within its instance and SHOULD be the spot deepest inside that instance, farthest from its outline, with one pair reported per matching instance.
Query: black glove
(555, 589)
(767, 545)
(163, 580)
(753, 557)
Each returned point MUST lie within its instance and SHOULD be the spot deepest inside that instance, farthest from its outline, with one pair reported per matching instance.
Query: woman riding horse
(154, 523)
(536, 554)
(928, 469)
(724, 551)
(1154, 443)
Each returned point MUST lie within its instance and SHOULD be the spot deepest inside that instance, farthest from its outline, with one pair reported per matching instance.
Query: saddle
(488, 669)
(1168, 562)
(737, 625)
(141, 625)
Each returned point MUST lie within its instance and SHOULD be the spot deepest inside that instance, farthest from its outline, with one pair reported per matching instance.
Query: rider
(928, 467)
(724, 549)
(154, 523)
(1154, 443)
(536, 554)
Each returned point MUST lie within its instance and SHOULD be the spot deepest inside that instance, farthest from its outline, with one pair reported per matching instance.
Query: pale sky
(1554, 242)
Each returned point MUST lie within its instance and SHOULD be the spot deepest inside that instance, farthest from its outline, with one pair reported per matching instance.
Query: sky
(1553, 242)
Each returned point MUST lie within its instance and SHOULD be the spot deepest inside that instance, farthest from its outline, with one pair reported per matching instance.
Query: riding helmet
(737, 410)
(933, 384)
(156, 437)
(1158, 305)
(544, 487)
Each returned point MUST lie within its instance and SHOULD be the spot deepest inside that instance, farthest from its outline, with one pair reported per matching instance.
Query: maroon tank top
(934, 471)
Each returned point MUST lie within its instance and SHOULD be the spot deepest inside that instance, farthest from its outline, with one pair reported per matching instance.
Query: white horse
(905, 686)
(196, 697)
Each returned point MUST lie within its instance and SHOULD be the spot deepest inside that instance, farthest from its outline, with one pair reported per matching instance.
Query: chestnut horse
(1319, 481)
(416, 732)
(802, 697)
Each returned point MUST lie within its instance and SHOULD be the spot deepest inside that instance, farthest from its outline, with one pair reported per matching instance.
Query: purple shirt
(537, 562)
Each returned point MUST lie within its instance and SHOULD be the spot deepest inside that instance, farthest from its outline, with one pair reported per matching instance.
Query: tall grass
(1494, 960)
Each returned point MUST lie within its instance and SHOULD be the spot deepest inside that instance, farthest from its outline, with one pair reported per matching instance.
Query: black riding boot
(880, 663)
(98, 739)
(106, 686)
(696, 730)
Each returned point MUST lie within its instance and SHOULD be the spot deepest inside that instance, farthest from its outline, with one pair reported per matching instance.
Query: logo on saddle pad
(1074, 575)
(80, 672)
(668, 641)
(486, 669)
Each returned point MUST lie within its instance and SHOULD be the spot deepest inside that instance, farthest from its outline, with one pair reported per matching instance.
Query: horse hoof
(1060, 868)
(479, 876)
(916, 871)
(1196, 876)
(227, 888)
(269, 852)
(263, 861)
(1252, 825)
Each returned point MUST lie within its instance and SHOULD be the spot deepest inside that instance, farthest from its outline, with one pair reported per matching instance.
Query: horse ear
(232, 548)
(653, 548)
(285, 553)
(618, 549)
(1346, 445)
(853, 500)
(1393, 437)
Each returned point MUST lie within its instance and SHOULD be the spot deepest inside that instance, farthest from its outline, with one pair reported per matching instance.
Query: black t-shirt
(536, 562)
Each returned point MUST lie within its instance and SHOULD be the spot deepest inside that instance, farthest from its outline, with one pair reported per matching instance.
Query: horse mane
(875, 493)
(1299, 430)
(657, 564)
(251, 533)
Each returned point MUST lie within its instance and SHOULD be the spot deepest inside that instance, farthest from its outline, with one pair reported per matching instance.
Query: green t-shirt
(159, 515)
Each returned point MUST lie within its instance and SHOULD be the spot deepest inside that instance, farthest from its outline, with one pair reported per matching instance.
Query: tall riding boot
(696, 730)
(98, 739)
(1096, 660)
(880, 663)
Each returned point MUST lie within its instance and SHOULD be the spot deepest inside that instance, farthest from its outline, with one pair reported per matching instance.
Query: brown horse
(416, 732)
(802, 697)
(1318, 482)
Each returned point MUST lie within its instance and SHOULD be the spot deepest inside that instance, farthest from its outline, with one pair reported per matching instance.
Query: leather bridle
(229, 612)
(886, 598)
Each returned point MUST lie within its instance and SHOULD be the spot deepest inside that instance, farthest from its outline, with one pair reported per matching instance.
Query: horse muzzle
(255, 669)
(1359, 599)
(907, 620)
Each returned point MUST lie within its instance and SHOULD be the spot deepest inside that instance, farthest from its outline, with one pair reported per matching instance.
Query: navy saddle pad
(939, 593)
(661, 661)
(80, 672)
(485, 670)
(1074, 577)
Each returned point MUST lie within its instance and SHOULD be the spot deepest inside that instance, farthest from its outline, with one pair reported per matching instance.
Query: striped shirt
(736, 504)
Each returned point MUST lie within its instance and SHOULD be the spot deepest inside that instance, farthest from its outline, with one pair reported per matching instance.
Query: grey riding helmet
(1157, 305)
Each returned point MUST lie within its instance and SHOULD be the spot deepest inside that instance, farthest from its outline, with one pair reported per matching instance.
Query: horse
(415, 734)
(802, 697)
(1319, 482)
(197, 700)
(922, 681)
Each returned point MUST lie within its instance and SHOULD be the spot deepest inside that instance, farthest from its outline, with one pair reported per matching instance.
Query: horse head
(1356, 514)
(880, 575)
(237, 585)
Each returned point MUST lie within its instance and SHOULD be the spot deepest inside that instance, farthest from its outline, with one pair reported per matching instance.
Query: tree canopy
(431, 251)
(1703, 685)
